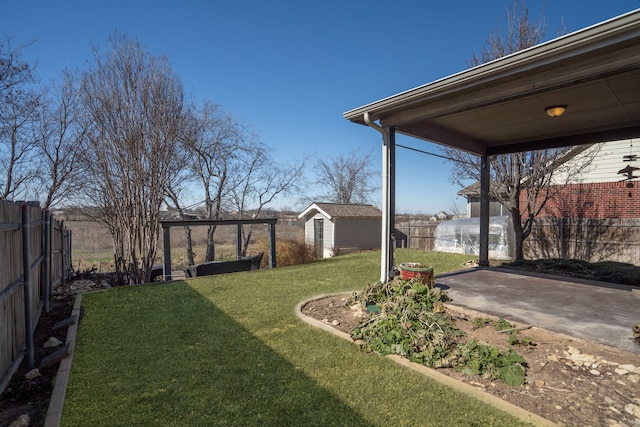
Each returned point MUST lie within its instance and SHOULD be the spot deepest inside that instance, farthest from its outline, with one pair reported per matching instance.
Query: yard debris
(632, 409)
(22, 421)
(34, 373)
(521, 328)
(52, 343)
(630, 368)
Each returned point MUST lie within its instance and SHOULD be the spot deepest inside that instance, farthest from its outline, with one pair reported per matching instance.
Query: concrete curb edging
(54, 412)
(474, 392)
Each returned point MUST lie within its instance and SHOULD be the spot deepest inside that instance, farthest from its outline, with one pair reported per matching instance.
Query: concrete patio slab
(593, 311)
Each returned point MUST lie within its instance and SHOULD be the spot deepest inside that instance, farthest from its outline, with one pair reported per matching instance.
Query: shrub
(288, 252)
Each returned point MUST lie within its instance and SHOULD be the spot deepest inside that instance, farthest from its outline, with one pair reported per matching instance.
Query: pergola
(500, 107)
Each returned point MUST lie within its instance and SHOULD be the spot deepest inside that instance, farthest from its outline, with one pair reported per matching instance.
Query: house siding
(361, 233)
(308, 231)
(606, 162)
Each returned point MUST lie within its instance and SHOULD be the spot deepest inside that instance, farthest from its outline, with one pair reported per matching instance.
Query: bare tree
(346, 178)
(174, 199)
(259, 182)
(457, 209)
(135, 105)
(19, 105)
(521, 33)
(520, 181)
(60, 142)
(213, 139)
(234, 169)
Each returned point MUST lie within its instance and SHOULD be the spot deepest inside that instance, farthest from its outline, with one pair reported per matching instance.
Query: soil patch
(569, 381)
(25, 397)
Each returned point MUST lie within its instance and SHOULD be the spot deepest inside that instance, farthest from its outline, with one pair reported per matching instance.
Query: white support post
(387, 257)
(385, 261)
(483, 260)
(388, 198)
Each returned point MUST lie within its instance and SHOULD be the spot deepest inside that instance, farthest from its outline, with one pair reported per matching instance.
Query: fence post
(69, 234)
(63, 271)
(26, 281)
(47, 260)
(563, 243)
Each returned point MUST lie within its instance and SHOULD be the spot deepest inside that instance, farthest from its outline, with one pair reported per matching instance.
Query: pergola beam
(166, 237)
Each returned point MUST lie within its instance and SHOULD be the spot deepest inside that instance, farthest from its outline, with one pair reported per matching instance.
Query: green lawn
(229, 350)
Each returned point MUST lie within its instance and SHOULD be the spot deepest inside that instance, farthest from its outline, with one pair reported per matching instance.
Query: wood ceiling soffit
(489, 93)
(434, 133)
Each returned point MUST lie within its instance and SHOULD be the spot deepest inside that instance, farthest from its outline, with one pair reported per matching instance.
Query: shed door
(318, 237)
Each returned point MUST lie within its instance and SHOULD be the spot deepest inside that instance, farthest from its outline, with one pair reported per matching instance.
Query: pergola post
(484, 210)
(166, 253)
(238, 241)
(272, 245)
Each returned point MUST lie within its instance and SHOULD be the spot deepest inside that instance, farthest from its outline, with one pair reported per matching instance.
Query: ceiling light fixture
(555, 110)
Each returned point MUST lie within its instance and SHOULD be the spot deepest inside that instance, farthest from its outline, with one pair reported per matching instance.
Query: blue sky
(289, 69)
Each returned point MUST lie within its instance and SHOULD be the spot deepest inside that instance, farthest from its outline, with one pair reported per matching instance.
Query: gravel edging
(54, 412)
(469, 390)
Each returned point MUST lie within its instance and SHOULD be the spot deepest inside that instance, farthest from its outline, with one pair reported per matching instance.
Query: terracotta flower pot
(412, 270)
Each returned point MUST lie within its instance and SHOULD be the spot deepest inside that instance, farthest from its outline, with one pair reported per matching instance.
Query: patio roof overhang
(499, 107)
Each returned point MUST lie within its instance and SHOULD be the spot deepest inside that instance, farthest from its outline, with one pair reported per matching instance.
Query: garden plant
(407, 317)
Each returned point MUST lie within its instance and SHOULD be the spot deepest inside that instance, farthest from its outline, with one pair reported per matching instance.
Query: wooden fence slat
(22, 284)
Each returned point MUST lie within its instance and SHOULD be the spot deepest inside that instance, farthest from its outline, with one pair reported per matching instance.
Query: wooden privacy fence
(417, 235)
(592, 240)
(35, 254)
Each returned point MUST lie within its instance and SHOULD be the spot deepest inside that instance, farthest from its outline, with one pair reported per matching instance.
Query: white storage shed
(343, 228)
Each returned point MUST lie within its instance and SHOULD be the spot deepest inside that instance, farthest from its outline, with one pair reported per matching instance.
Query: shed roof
(499, 107)
(340, 210)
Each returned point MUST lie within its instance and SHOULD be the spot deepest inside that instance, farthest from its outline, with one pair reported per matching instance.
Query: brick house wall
(594, 200)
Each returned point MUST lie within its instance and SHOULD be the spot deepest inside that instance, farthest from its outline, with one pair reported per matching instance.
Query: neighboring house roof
(440, 215)
(473, 190)
(340, 210)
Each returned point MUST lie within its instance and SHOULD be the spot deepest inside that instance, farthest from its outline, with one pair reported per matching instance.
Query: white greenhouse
(462, 236)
